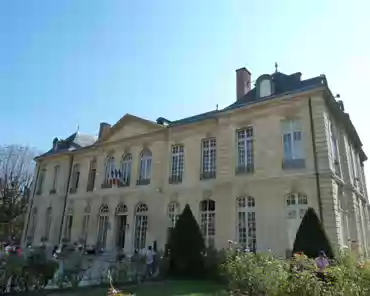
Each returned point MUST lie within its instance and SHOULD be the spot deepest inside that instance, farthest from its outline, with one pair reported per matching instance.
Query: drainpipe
(315, 160)
(65, 199)
(31, 205)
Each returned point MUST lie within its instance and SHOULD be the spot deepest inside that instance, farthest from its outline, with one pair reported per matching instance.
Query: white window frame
(177, 162)
(126, 169)
(173, 213)
(56, 177)
(48, 221)
(33, 223)
(265, 88)
(296, 204)
(208, 221)
(109, 168)
(145, 168)
(246, 222)
(121, 213)
(68, 224)
(141, 226)
(85, 223)
(209, 156)
(245, 148)
(292, 127)
(92, 175)
(40, 183)
(103, 222)
(76, 176)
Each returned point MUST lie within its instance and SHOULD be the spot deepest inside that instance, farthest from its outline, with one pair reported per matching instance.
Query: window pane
(287, 146)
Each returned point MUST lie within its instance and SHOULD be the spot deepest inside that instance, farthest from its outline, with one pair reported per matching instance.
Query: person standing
(322, 263)
(150, 261)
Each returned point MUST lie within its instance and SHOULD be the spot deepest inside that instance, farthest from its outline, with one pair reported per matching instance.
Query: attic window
(265, 88)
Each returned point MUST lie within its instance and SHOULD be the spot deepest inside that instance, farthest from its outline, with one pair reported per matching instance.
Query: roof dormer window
(265, 89)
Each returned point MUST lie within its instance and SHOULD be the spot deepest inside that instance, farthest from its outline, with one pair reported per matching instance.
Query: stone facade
(259, 204)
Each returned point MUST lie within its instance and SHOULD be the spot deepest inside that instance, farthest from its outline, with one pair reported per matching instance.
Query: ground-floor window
(208, 221)
(121, 224)
(296, 208)
(246, 223)
(141, 226)
(103, 226)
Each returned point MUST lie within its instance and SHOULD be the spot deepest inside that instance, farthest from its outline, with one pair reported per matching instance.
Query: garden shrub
(250, 274)
(263, 274)
(311, 237)
(186, 247)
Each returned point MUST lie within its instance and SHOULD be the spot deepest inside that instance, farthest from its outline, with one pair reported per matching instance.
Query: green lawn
(169, 288)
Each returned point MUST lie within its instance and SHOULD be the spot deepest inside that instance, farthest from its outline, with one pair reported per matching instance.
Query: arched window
(68, 224)
(141, 226)
(121, 225)
(109, 172)
(265, 88)
(207, 221)
(103, 225)
(125, 172)
(173, 213)
(48, 218)
(145, 167)
(296, 207)
(246, 222)
(85, 222)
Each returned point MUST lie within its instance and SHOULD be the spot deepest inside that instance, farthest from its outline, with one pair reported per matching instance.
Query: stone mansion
(248, 172)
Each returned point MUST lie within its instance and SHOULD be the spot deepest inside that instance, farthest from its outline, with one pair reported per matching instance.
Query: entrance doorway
(121, 225)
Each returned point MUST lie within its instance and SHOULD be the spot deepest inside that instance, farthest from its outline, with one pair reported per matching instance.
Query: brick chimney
(104, 128)
(243, 82)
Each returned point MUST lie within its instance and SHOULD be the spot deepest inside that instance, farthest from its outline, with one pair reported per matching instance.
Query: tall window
(141, 226)
(125, 172)
(145, 167)
(246, 223)
(109, 172)
(40, 182)
(55, 180)
(103, 222)
(173, 213)
(121, 224)
(48, 218)
(245, 161)
(296, 207)
(177, 164)
(68, 224)
(208, 159)
(334, 152)
(33, 224)
(85, 223)
(207, 221)
(293, 146)
(92, 175)
(75, 178)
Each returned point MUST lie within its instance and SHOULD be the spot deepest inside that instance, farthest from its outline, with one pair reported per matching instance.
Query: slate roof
(282, 85)
(73, 142)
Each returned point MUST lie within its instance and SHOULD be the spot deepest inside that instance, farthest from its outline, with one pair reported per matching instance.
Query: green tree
(16, 169)
(311, 237)
(186, 247)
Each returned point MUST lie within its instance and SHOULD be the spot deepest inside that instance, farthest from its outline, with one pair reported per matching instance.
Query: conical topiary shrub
(186, 245)
(311, 237)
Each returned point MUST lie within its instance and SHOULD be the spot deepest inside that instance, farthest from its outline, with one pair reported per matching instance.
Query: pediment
(129, 126)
